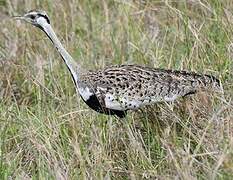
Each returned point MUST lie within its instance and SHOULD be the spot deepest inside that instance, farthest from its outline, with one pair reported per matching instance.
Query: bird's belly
(123, 102)
(170, 98)
(120, 102)
(119, 105)
(113, 102)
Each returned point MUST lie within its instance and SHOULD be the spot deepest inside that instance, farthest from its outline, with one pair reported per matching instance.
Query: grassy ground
(47, 132)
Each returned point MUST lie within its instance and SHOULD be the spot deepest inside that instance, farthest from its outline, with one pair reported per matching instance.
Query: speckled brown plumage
(132, 86)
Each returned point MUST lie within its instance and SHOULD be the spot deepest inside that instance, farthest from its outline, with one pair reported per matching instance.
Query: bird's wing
(130, 87)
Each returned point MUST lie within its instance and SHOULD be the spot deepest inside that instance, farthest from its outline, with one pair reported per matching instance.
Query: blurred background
(47, 132)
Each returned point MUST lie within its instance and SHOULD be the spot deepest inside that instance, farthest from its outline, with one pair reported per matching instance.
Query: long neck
(73, 67)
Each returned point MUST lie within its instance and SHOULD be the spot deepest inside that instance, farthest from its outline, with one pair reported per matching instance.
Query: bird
(116, 89)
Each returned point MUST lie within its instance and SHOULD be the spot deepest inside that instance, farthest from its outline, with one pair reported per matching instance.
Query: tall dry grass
(47, 132)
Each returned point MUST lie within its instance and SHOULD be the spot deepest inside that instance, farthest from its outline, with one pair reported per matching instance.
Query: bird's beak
(24, 18)
(18, 17)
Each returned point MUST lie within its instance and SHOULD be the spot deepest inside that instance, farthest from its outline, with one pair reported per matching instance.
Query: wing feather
(130, 87)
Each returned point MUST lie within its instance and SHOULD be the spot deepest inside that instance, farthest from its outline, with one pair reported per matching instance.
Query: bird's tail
(209, 82)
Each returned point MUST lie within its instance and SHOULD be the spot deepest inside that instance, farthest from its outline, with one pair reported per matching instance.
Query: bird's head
(37, 18)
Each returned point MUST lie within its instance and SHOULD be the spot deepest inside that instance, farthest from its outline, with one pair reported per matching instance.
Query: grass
(47, 132)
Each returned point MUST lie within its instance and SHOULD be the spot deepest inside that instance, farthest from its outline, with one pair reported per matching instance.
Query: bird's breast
(85, 92)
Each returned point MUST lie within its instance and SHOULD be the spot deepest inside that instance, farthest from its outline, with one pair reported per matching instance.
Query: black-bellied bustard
(116, 89)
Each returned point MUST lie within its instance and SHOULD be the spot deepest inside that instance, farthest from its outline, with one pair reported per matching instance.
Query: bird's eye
(32, 17)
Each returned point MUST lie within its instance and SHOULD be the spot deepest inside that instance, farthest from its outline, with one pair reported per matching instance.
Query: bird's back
(129, 87)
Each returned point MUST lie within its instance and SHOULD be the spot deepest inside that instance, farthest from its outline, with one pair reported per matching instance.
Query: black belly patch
(94, 104)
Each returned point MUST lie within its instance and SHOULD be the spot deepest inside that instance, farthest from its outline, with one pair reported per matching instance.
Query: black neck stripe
(47, 19)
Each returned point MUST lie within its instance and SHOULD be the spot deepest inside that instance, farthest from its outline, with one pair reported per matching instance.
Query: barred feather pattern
(127, 87)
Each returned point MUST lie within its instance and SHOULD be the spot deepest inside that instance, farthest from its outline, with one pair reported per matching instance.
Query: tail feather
(209, 82)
